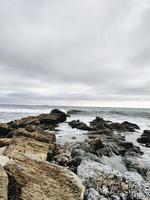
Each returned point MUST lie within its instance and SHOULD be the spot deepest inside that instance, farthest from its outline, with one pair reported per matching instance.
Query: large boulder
(33, 144)
(145, 138)
(3, 184)
(112, 184)
(61, 115)
(39, 180)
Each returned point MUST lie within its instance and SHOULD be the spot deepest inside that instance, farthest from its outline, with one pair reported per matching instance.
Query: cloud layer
(79, 52)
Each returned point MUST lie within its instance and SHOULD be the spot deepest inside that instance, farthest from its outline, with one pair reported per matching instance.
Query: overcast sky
(75, 52)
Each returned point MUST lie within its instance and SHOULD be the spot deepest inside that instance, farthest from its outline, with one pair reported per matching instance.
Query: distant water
(135, 115)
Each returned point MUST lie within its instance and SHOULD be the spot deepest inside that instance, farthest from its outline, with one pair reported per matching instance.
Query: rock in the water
(58, 113)
(35, 144)
(98, 124)
(145, 138)
(79, 125)
(3, 184)
(40, 180)
(131, 125)
(108, 182)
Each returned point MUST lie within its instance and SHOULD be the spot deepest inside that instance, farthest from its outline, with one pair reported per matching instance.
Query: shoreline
(104, 147)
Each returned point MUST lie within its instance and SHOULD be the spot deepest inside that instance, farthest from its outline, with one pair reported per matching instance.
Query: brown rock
(4, 142)
(33, 144)
(40, 180)
(3, 184)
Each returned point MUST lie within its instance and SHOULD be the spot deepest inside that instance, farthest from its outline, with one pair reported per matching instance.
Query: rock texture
(31, 179)
(32, 144)
(3, 184)
(111, 184)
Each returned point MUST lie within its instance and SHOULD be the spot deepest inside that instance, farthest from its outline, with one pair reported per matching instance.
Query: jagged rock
(40, 180)
(79, 125)
(101, 124)
(108, 182)
(145, 138)
(98, 124)
(3, 184)
(33, 144)
(4, 130)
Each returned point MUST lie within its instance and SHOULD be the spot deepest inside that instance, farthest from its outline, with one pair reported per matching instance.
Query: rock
(92, 194)
(108, 182)
(4, 142)
(61, 115)
(40, 180)
(98, 124)
(105, 131)
(96, 144)
(79, 125)
(145, 138)
(35, 144)
(123, 127)
(74, 112)
(3, 184)
(131, 125)
(4, 130)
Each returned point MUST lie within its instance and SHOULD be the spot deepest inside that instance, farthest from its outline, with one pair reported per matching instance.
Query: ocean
(65, 133)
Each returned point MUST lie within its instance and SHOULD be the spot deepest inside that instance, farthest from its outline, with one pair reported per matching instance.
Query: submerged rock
(30, 179)
(109, 183)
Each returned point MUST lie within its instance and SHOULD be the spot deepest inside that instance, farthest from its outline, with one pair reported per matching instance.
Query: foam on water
(86, 114)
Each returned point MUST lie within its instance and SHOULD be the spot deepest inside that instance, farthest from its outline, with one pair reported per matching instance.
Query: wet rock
(123, 127)
(98, 124)
(73, 112)
(4, 130)
(40, 180)
(105, 131)
(59, 114)
(79, 125)
(145, 138)
(130, 125)
(3, 184)
(35, 144)
(96, 144)
(109, 183)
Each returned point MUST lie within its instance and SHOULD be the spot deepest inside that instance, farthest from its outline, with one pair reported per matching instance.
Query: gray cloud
(75, 52)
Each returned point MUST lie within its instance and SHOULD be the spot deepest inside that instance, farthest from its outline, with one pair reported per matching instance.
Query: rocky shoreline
(104, 166)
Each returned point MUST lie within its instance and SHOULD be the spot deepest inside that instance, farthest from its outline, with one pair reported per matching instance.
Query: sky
(82, 52)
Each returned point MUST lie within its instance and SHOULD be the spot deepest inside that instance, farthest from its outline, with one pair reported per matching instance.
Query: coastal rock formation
(31, 179)
(3, 184)
(100, 124)
(79, 125)
(145, 138)
(111, 184)
(33, 144)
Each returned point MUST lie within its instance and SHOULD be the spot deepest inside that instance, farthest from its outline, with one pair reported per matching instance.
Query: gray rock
(108, 182)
